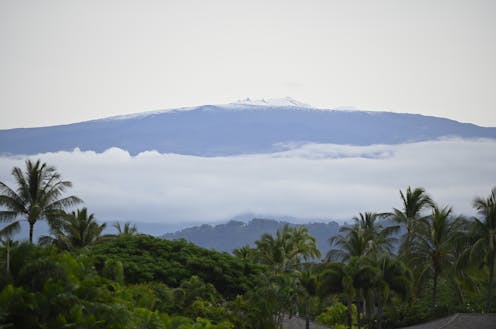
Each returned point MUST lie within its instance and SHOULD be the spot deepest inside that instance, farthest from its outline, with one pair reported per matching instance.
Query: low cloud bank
(314, 181)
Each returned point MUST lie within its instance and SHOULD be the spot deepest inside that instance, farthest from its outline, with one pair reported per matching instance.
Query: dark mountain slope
(235, 234)
(235, 129)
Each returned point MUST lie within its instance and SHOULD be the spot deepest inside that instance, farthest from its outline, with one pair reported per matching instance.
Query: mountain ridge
(233, 129)
(235, 233)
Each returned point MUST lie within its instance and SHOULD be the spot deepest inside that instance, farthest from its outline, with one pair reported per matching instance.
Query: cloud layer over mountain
(308, 181)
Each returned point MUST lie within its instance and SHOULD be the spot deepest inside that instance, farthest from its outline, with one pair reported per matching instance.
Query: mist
(310, 181)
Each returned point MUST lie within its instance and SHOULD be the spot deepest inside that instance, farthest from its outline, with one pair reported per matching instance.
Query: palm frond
(10, 229)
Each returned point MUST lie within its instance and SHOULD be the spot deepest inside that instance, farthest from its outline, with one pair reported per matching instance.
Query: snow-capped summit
(285, 101)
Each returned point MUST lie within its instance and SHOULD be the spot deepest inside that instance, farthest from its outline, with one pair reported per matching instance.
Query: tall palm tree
(433, 249)
(392, 277)
(245, 253)
(6, 240)
(338, 278)
(77, 230)
(484, 237)
(308, 282)
(414, 202)
(353, 243)
(379, 237)
(127, 229)
(303, 245)
(272, 251)
(287, 249)
(366, 237)
(10, 229)
(354, 279)
(39, 195)
(8, 243)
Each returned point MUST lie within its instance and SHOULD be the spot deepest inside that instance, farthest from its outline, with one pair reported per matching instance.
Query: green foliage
(433, 249)
(38, 195)
(53, 290)
(287, 249)
(73, 231)
(146, 258)
(113, 270)
(335, 316)
(143, 318)
(274, 296)
(366, 237)
(483, 236)
(126, 229)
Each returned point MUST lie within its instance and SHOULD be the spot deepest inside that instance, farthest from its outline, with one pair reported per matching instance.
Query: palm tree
(308, 282)
(338, 278)
(10, 229)
(354, 279)
(5, 239)
(365, 277)
(272, 251)
(414, 202)
(392, 276)
(352, 244)
(245, 253)
(287, 249)
(304, 246)
(8, 243)
(484, 237)
(433, 248)
(38, 195)
(127, 229)
(367, 237)
(77, 230)
(379, 237)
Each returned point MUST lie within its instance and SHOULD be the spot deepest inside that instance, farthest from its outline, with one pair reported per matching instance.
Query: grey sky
(67, 61)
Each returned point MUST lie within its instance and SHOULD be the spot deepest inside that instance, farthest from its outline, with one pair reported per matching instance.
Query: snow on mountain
(273, 102)
(144, 114)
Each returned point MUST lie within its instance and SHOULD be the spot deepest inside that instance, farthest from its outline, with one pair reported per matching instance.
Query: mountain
(239, 128)
(235, 234)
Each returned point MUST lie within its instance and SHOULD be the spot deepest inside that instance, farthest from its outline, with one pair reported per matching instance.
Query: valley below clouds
(307, 181)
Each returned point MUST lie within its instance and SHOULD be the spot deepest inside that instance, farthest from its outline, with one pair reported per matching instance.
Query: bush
(336, 316)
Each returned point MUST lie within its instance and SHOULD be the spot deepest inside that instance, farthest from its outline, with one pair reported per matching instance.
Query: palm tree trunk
(359, 312)
(491, 282)
(379, 309)
(8, 257)
(365, 306)
(408, 241)
(350, 312)
(31, 227)
(307, 314)
(280, 320)
(379, 315)
(434, 290)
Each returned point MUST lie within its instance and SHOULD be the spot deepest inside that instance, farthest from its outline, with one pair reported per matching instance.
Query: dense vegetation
(383, 270)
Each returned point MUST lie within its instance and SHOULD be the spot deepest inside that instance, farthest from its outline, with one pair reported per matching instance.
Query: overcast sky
(66, 61)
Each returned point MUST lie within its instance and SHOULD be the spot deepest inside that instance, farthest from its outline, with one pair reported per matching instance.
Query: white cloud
(310, 181)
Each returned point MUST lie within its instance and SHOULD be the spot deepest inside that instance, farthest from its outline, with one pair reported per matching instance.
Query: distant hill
(238, 128)
(235, 234)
